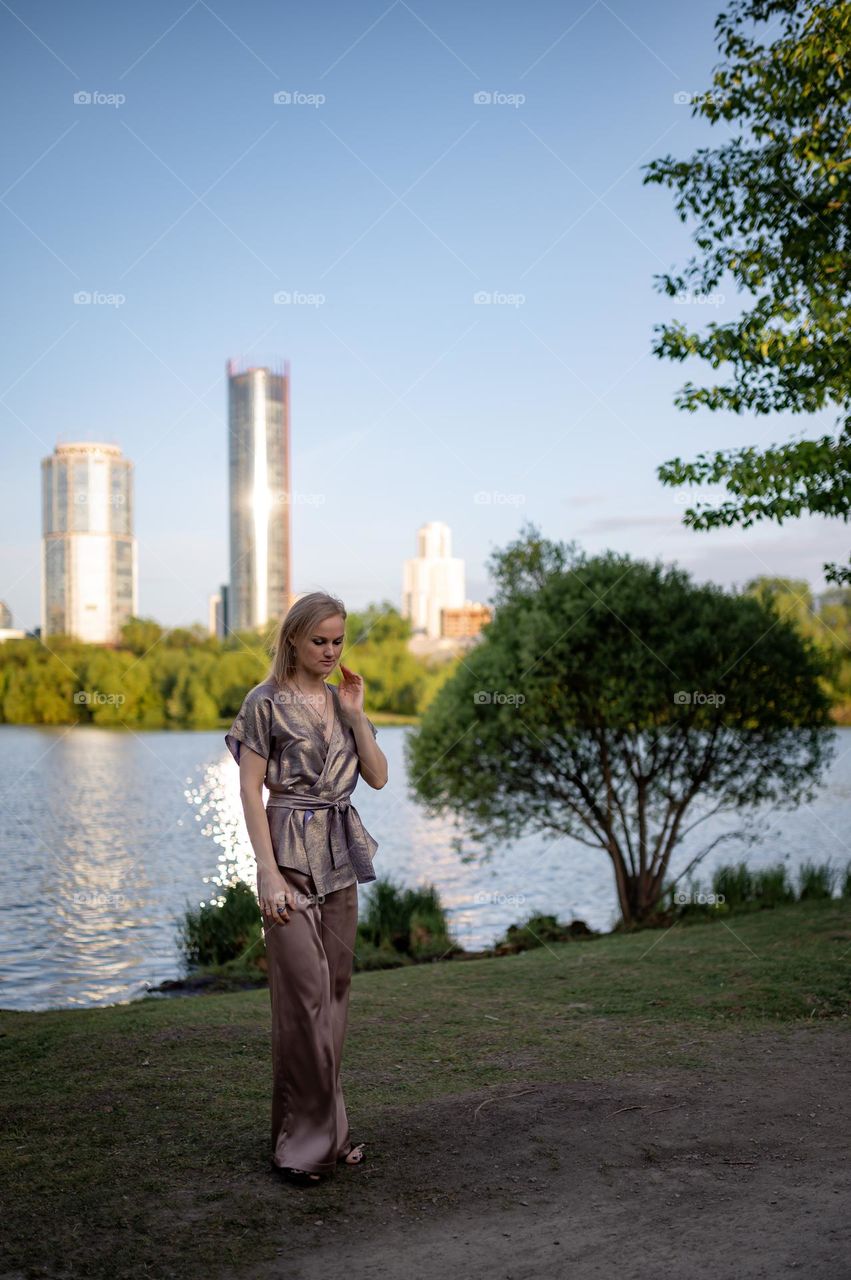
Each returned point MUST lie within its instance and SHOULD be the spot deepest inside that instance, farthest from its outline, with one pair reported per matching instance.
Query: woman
(308, 742)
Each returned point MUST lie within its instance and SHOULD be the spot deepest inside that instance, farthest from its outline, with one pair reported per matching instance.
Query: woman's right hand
(274, 892)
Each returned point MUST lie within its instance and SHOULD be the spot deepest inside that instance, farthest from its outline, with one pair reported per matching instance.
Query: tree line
(183, 678)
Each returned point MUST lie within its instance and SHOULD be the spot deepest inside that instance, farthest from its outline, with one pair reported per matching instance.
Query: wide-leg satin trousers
(310, 969)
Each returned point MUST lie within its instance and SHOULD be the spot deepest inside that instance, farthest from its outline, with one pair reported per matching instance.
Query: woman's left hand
(350, 692)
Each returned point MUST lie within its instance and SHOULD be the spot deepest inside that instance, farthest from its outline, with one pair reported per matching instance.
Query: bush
(401, 923)
(368, 956)
(539, 930)
(680, 904)
(220, 932)
(735, 888)
(733, 885)
(771, 886)
(815, 882)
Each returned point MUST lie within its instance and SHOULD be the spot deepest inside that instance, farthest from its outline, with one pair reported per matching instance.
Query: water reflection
(219, 808)
(108, 836)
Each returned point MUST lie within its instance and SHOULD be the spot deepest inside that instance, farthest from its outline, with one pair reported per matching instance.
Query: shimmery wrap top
(306, 776)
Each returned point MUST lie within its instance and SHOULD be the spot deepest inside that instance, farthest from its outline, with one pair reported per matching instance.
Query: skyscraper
(432, 581)
(89, 560)
(259, 479)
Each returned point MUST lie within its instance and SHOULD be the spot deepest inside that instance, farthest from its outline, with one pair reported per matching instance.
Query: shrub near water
(218, 933)
(405, 926)
(401, 926)
(815, 881)
(537, 931)
(736, 888)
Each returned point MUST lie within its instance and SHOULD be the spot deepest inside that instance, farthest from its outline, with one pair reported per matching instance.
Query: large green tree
(620, 704)
(773, 210)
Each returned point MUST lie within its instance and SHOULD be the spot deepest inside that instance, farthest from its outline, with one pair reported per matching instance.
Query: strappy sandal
(357, 1146)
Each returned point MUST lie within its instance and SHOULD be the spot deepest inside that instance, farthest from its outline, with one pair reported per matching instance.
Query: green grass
(135, 1138)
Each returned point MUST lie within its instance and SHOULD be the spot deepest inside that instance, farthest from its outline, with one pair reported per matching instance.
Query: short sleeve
(252, 726)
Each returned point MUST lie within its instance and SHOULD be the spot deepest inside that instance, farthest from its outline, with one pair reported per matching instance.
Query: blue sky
(384, 198)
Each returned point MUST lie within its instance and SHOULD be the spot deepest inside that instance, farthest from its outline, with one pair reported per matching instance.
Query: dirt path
(733, 1171)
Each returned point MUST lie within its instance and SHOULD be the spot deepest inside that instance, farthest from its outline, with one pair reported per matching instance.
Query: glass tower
(259, 483)
(89, 560)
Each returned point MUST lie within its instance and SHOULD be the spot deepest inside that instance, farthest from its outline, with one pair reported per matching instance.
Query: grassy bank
(136, 1137)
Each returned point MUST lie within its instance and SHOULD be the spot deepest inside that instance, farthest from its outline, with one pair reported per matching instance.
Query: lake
(108, 835)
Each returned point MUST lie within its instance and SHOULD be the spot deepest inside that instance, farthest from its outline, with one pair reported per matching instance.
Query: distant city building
(214, 616)
(89, 558)
(218, 616)
(466, 621)
(260, 496)
(432, 581)
(7, 631)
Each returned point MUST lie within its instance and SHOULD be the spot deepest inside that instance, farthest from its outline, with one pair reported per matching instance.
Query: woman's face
(318, 652)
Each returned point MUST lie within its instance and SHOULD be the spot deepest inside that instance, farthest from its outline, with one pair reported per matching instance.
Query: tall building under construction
(259, 464)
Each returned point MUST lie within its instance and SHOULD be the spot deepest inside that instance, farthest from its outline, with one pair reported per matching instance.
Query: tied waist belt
(290, 800)
(336, 826)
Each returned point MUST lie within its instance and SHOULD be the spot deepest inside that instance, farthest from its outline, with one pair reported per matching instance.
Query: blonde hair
(301, 619)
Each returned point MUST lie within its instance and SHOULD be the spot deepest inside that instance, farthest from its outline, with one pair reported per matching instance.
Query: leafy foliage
(228, 930)
(401, 923)
(738, 888)
(187, 679)
(611, 698)
(773, 212)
